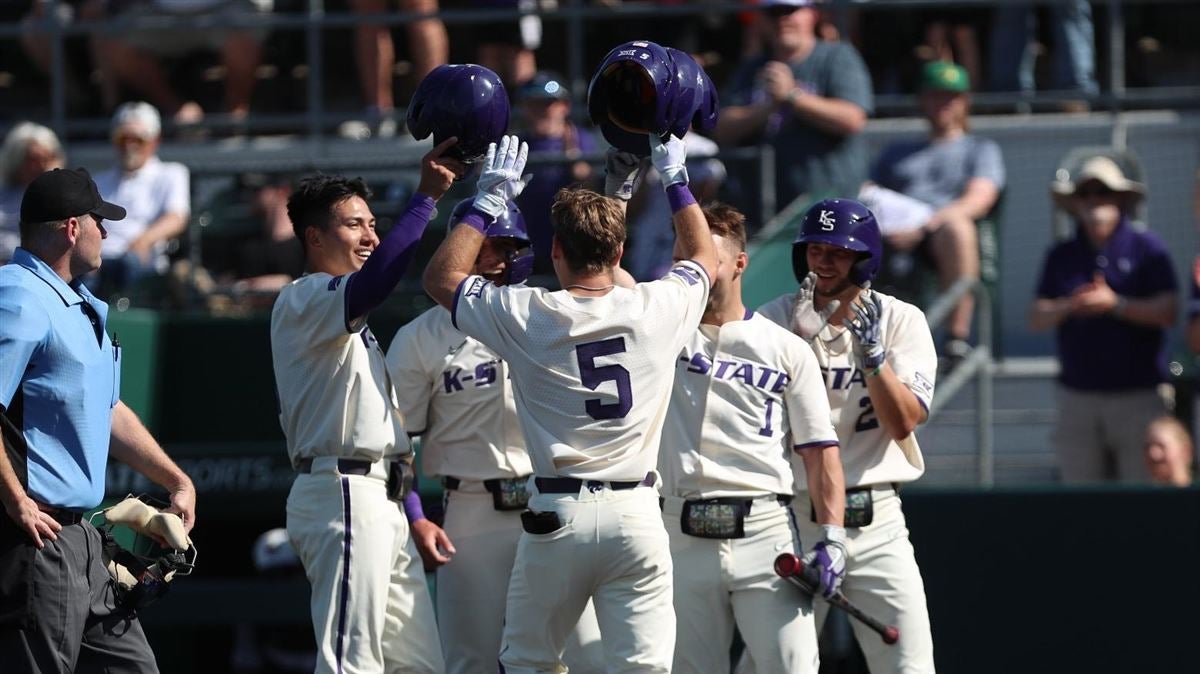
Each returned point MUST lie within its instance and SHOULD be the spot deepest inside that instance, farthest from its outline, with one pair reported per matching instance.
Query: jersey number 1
(592, 376)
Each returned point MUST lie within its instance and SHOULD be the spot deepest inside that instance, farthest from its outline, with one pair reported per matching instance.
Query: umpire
(62, 417)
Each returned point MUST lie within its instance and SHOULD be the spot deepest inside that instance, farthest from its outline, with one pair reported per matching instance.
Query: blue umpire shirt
(60, 377)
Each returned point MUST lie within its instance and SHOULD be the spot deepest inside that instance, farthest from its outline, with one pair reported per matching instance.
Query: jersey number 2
(866, 420)
(592, 376)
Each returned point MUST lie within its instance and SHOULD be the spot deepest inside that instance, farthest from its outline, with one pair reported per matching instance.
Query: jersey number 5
(592, 376)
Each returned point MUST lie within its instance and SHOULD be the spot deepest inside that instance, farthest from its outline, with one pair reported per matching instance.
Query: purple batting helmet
(642, 88)
(463, 100)
(843, 223)
(511, 225)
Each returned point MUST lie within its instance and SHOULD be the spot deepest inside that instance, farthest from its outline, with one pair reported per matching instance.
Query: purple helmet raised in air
(843, 223)
(463, 100)
(642, 88)
(511, 225)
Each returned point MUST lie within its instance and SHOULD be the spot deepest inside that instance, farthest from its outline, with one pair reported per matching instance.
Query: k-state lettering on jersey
(456, 394)
(746, 395)
(869, 455)
(335, 396)
(592, 375)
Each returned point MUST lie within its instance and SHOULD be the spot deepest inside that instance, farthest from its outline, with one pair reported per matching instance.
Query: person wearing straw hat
(1110, 294)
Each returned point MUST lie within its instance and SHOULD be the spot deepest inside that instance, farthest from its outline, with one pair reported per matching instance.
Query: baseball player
(747, 394)
(456, 394)
(591, 369)
(371, 609)
(879, 363)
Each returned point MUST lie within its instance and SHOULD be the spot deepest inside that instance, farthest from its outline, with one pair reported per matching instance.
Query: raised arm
(499, 182)
(693, 240)
(370, 286)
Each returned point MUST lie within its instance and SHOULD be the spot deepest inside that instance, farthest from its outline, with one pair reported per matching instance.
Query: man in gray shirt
(955, 176)
(809, 99)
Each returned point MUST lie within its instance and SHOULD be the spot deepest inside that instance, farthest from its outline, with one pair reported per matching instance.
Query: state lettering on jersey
(755, 375)
(475, 289)
(687, 274)
(484, 374)
(842, 378)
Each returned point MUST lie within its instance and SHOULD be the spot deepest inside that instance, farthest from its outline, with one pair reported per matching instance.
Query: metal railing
(313, 20)
(976, 364)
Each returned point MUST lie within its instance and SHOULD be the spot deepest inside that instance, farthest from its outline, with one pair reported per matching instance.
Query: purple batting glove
(828, 557)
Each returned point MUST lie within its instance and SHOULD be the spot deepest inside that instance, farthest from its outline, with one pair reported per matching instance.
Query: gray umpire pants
(57, 609)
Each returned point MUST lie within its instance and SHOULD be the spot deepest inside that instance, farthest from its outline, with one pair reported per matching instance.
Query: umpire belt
(572, 485)
(61, 515)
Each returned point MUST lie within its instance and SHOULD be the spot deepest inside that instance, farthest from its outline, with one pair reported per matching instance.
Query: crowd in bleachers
(795, 76)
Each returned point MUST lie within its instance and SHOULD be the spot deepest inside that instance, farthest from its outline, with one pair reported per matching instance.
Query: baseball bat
(792, 569)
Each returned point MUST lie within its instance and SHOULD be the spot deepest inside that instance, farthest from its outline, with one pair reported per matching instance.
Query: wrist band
(875, 372)
(477, 219)
(679, 196)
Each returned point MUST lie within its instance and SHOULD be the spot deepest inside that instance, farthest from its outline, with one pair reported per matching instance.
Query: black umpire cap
(65, 193)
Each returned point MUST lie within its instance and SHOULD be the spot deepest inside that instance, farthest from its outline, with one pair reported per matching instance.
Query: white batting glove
(670, 159)
(501, 181)
(828, 557)
(621, 171)
(807, 320)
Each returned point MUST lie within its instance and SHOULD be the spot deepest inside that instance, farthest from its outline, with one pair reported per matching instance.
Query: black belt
(571, 485)
(869, 487)
(344, 466)
(61, 515)
(453, 483)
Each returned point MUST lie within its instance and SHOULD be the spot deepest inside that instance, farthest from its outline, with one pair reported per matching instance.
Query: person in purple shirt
(545, 109)
(1110, 292)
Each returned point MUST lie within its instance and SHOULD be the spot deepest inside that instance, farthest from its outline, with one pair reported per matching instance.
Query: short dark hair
(33, 232)
(590, 229)
(312, 202)
(725, 221)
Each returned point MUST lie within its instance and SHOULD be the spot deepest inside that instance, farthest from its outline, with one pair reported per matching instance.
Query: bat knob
(890, 635)
(788, 565)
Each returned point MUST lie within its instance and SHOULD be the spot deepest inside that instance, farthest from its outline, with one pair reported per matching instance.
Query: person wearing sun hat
(1110, 293)
(956, 178)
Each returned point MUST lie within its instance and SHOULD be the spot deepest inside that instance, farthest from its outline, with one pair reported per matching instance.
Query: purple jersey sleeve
(369, 286)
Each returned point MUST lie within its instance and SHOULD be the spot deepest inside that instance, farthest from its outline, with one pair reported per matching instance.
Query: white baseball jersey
(869, 454)
(456, 394)
(747, 394)
(335, 396)
(592, 375)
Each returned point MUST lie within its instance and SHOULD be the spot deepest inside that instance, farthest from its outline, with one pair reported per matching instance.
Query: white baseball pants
(472, 587)
(612, 548)
(371, 609)
(723, 582)
(882, 579)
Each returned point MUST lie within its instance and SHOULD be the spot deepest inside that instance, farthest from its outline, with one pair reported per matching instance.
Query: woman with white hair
(29, 150)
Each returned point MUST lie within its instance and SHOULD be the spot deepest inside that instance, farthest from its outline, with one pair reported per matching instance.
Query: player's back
(592, 375)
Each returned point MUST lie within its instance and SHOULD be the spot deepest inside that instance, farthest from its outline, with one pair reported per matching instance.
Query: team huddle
(622, 461)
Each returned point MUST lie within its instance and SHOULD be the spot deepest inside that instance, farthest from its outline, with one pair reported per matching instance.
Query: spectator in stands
(544, 106)
(1169, 453)
(29, 150)
(649, 211)
(1074, 50)
(156, 194)
(1110, 292)
(955, 178)
(429, 47)
(809, 99)
(132, 58)
(507, 47)
(271, 257)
